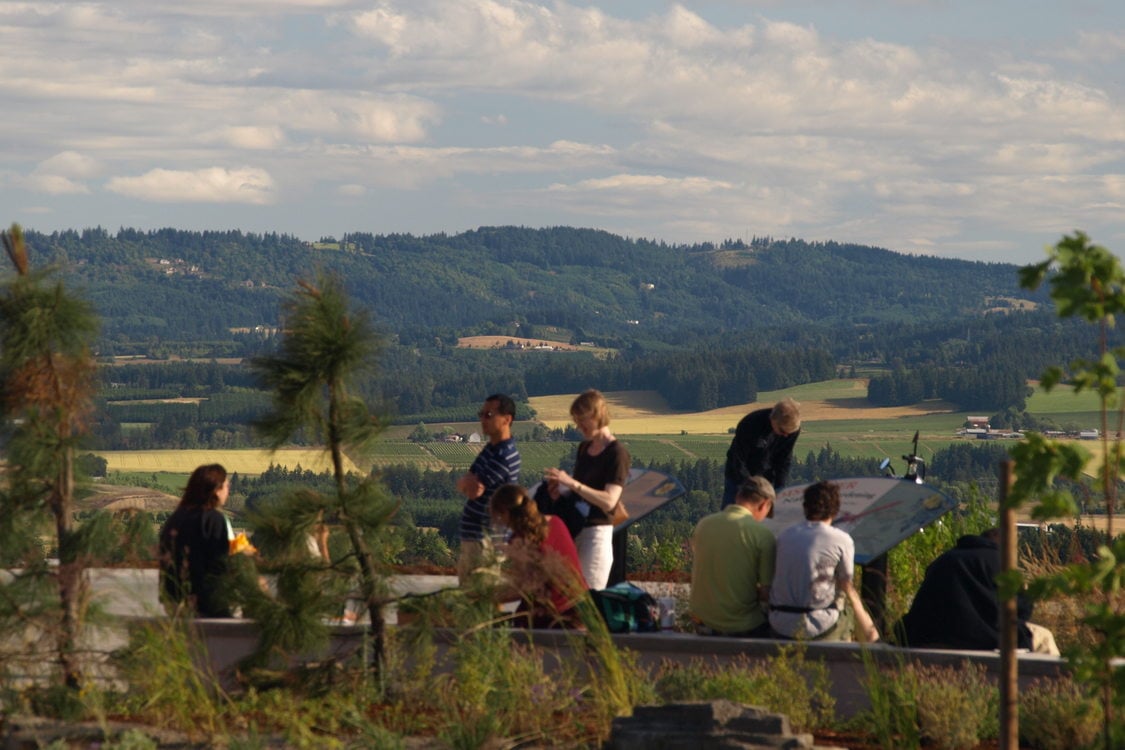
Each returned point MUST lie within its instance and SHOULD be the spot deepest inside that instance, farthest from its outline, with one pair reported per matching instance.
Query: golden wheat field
(647, 413)
(241, 461)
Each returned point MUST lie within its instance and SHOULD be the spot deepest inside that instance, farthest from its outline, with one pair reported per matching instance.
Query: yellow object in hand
(240, 545)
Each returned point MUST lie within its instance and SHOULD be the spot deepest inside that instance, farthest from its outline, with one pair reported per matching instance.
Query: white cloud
(69, 164)
(666, 119)
(53, 184)
(648, 183)
(362, 118)
(214, 185)
(253, 137)
(351, 191)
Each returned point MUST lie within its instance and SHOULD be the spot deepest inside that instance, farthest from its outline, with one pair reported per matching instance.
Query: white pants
(595, 554)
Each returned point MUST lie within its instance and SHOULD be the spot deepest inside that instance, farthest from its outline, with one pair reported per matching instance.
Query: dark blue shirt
(495, 465)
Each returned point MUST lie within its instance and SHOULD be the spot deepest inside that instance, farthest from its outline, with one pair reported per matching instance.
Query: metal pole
(1009, 666)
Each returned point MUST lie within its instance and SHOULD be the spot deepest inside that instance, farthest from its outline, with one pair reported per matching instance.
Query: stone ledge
(711, 725)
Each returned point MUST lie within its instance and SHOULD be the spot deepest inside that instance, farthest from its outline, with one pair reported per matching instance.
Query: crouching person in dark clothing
(956, 606)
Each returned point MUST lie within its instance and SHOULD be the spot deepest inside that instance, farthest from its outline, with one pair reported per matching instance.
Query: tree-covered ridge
(200, 285)
(704, 325)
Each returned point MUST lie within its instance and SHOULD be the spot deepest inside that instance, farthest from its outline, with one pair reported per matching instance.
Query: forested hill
(171, 285)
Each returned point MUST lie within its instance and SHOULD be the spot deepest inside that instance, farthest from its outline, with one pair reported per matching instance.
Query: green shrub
(957, 707)
(952, 708)
(1057, 715)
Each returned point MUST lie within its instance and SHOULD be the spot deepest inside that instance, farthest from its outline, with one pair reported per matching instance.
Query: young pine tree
(46, 396)
(326, 347)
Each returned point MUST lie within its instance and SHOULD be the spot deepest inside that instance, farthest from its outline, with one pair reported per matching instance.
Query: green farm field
(836, 414)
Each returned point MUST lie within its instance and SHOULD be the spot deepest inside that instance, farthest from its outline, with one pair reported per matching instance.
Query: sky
(974, 129)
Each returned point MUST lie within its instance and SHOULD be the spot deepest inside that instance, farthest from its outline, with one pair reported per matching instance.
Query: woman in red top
(542, 568)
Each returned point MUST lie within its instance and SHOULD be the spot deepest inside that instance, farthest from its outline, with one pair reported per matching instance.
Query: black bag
(627, 608)
(564, 508)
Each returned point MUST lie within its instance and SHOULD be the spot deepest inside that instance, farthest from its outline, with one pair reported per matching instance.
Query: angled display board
(878, 512)
(647, 490)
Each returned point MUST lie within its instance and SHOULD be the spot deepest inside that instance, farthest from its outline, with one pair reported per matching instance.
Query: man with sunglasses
(498, 463)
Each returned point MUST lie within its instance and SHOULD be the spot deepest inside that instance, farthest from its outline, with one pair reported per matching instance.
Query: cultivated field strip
(251, 461)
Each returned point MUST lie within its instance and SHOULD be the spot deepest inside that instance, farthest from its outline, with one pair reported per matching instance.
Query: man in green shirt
(733, 564)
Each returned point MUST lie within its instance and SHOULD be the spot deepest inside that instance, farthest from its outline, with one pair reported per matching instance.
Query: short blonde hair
(591, 403)
(786, 414)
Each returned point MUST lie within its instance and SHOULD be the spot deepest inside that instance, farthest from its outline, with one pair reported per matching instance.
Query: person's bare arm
(605, 499)
(865, 629)
(470, 486)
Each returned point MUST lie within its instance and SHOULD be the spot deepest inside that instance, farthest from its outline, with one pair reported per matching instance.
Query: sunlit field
(1062, 400)
(836, 415)
(646, 413)
(241, 461)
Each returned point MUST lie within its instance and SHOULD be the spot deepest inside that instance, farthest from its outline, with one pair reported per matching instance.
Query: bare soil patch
(114, 498)
(499, 342)
(178, 400)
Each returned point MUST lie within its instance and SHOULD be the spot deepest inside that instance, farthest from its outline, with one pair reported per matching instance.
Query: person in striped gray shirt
(498, 463)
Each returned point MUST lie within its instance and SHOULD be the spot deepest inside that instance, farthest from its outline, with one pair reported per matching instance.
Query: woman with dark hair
(195, 544)
(542, 568)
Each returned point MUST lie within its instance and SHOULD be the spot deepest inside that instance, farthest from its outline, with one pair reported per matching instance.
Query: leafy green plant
(1086, 281)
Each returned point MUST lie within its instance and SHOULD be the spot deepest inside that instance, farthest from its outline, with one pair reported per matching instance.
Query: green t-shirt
(733, 554)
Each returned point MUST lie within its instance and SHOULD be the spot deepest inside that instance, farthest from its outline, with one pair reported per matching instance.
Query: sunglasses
(486, 414)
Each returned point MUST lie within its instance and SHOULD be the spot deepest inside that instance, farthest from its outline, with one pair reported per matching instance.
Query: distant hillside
(705, 326)
(200, 286)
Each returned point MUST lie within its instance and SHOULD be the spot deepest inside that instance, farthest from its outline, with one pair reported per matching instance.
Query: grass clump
(787, 683)
(168, 686)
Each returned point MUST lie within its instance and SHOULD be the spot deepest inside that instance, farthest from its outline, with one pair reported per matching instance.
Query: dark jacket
(194, 547)
(956, 606)
(757, 450)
